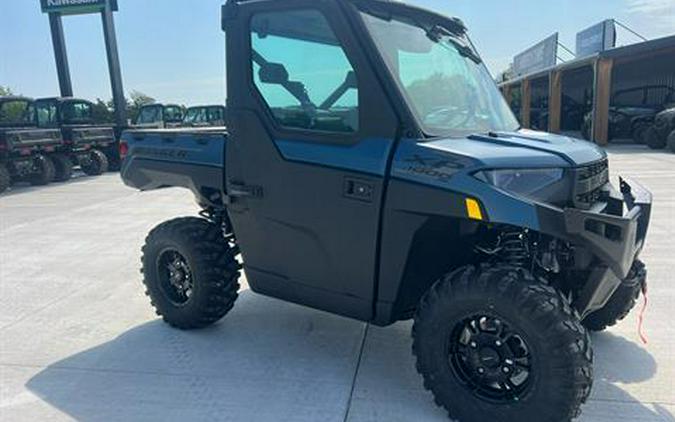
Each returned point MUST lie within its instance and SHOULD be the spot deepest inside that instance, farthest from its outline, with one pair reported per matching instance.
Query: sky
(174, 50)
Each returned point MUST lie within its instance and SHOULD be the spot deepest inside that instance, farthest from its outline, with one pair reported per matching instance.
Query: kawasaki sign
(73, 7)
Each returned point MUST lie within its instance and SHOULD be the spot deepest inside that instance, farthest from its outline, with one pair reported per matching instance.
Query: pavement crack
(356, 372)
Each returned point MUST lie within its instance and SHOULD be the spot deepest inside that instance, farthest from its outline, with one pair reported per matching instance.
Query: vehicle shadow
(18, 188)
(271, 361)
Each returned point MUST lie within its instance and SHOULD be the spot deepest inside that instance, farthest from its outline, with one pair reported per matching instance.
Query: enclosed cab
(202, 116)
(372, 169)
(159, 116)
(91, 145)
(26, 152)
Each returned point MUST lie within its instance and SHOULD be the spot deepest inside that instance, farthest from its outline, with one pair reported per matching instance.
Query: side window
(148, 115)
(303, 73)
(173, 114)
(46, 114)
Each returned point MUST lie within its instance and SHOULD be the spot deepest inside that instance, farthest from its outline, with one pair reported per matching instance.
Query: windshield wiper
(437, 35)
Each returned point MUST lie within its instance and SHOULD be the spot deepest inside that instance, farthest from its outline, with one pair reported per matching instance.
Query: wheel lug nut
(506, 369)
(481, 370)
(473, 345)
(498, 343)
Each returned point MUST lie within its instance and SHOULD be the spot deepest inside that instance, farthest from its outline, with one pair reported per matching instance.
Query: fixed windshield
(444, 81)
(16, 113)
(74, 112)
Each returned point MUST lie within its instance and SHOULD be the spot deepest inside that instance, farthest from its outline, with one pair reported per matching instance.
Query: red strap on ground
(641, 316)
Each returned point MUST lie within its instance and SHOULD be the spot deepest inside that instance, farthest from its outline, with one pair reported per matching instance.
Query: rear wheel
(622, 300)
(494, 344)
(639, 131)
(671, 141)
(96, 164)
(190, 272)
(653, 140)
(63, 167)
(5, 178)
(44, 171)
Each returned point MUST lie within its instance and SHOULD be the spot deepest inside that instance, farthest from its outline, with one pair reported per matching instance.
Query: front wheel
(63, 167)
(44, 171)
(494, 344)
(622, 300)
(5, 178)
(190, 272)
(96, 164)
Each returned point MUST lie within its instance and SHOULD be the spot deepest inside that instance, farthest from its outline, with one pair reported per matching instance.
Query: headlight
(524, 182)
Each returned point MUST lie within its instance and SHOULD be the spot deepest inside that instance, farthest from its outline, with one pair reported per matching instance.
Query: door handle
(241, 190)
(358, 189)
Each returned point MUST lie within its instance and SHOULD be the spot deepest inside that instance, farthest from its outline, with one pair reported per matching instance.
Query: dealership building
(608, 94)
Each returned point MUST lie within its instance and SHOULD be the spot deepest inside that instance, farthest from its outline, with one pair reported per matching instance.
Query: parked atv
(396, 185)
(633, 111)
(90, 145)
(25, 151)
(657, 134)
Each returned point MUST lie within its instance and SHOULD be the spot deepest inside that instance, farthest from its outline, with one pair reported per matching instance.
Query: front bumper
(615, 239)
(613, 231)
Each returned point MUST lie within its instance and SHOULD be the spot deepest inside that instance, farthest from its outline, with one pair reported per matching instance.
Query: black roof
(62, 99)
(8, 98)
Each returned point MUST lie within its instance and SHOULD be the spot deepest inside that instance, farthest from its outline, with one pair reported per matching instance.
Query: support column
(555, 101)
(114, 66)
(603, 90)
(59, 43)
(525, 101)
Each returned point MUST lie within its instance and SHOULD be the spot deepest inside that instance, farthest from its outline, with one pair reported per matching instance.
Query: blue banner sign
(597, 38)
(538, 57)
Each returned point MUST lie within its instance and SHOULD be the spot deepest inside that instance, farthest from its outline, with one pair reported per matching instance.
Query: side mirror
(273, 73)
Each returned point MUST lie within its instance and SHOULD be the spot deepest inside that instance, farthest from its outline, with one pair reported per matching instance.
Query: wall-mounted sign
(76, 7)
(538, 57)
(597, 38)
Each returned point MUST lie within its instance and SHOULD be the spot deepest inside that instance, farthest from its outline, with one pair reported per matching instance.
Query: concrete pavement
(78, 339)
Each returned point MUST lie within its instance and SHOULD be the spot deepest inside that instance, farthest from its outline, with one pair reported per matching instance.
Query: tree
(5, 91)
(102, 112)
(138, 99)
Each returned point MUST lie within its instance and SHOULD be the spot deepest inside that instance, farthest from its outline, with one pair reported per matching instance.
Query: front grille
(589, 181)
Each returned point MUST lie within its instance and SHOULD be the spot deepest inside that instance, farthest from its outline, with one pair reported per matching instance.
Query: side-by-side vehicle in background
(159, 116)
(91, 145)
(204, 116)
(25, 150)
(372, 169)
(632, 112)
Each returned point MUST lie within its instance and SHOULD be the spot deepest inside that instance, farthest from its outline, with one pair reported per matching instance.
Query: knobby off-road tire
(653, 140)
(63, 167)
(114, 160)
(97, 165)
(206, 260)
(529, 319)
(5, 178)
(622, 301)
(44, 171)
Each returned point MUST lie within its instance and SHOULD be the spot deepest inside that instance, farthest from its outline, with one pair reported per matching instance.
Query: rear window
(16, 112)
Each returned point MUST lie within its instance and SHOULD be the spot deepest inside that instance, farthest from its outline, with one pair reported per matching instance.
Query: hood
(525, 148)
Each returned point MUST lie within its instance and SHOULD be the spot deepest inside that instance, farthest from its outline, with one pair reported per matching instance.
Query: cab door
(311, 134)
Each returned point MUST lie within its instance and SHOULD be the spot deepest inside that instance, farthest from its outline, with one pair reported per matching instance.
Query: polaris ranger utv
(371, 168)
(159, 116)
(25, 150)
(88, 144)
